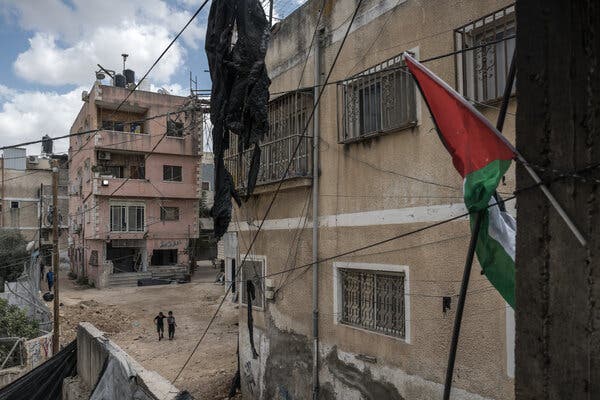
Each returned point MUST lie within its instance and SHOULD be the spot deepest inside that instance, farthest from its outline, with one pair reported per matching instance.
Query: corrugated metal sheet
(15, 159)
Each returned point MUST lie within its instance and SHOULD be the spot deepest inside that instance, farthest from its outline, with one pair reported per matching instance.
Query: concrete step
(127, 278)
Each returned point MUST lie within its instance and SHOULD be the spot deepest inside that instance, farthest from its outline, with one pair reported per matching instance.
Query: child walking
(160, 325)
(172, 325)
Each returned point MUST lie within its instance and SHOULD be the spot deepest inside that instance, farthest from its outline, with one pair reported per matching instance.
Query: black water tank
(120, 80)
(129, 76)
(46, 144)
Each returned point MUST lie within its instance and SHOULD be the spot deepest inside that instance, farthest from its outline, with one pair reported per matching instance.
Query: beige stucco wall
(407, 173)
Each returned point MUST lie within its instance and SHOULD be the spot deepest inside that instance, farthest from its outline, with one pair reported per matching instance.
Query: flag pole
(473, 243)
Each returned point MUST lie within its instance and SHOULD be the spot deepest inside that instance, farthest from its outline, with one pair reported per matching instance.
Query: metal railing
(481, 73)
(11, 352)
(374, 301)
(288, 116)
(375, 101)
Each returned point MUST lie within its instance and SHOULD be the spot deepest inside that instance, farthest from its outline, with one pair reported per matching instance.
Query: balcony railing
(288, 116)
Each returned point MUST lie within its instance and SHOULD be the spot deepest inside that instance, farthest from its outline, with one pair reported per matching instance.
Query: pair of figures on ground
(160, 325)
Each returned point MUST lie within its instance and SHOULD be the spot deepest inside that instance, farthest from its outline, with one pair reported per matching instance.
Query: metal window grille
(255, 270)
(288, 116)
(169, 213)
(378, 100)
(374, 301)
(481, 73)
(124, 218)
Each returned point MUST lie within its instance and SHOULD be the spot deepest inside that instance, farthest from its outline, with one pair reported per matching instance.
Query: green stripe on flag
(496, 262)
(481, 184)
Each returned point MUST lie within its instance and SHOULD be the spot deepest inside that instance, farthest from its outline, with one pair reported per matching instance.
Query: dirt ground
(126, 314)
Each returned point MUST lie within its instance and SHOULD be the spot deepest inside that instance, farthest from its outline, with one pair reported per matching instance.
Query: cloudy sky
(50, 49)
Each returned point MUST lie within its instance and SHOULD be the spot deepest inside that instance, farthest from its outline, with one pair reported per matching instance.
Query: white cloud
(69, 41)
(48, 63)
(30, 115)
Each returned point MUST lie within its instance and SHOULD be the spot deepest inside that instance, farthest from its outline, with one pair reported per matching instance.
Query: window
(288, 116)
(127, 217)
(137, 172)
(174, 128)
(169, 213)
(116, 171)
(378, 100)
(253, 269)
(14, 204)
(481, 73)
(205, 185)
(172, 173)
(371, 298)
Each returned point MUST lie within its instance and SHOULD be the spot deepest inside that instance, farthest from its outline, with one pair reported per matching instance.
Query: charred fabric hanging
(239, 95)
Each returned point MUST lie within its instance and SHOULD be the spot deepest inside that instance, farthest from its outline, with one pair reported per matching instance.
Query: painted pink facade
(133, 184)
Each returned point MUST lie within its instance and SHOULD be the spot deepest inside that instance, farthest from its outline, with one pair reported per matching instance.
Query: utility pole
(558, 132)
(55, 258)
(2, 208)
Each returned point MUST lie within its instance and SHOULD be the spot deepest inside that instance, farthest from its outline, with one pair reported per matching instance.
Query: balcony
(288, 116)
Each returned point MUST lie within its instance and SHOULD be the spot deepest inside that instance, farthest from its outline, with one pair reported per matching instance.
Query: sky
(50, 48)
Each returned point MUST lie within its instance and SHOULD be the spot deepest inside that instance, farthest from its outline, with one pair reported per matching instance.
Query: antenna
(124, 55)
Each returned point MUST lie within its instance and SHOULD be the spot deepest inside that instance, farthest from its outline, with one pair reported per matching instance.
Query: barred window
(373, 300)
(481, 73)
(174, 128)
(378, 100)
(127, 218)
(288, 116)
(254, 270)
(169, 213)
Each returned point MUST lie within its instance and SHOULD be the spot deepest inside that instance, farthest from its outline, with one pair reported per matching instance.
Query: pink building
(133, 183)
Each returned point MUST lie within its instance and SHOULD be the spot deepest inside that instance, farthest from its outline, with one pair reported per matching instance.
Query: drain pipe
(315, 217)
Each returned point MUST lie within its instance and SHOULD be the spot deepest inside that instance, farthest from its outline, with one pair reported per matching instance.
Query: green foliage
(15, 323)
(12, 254)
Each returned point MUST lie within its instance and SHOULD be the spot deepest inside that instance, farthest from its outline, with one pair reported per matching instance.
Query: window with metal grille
(174, 128)
(373, 300)
(169, 213)
(288, 116)
(481, 74)
(378, 100)
(172, 173)
(254, 270)
(127, 218)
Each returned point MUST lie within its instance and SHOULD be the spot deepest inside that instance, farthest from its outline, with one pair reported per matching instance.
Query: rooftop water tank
(120, 80)
(46, 144)
(129, 75)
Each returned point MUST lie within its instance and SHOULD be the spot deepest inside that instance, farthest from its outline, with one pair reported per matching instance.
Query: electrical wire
(278, 187)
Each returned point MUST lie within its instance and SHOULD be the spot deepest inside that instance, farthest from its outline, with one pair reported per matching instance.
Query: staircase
(168, 272)
(127, 278)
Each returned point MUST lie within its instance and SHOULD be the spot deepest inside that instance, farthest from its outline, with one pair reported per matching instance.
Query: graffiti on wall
(169, 244)
(38, 350)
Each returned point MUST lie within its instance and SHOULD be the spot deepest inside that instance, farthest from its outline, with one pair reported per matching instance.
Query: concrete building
(134, 183)
(26, 197)
(385, 314)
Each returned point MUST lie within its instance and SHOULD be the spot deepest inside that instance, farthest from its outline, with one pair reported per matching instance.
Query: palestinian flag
(481, 156)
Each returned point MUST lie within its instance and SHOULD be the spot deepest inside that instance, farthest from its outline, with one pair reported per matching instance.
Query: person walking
(50, 279)
(172, 325)
(160, 325)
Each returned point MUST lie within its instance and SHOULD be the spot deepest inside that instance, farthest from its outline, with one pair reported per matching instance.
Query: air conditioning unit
(103, 155)
(33, 160)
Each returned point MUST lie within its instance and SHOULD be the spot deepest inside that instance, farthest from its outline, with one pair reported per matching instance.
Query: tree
(13, 254)
(14, 323)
